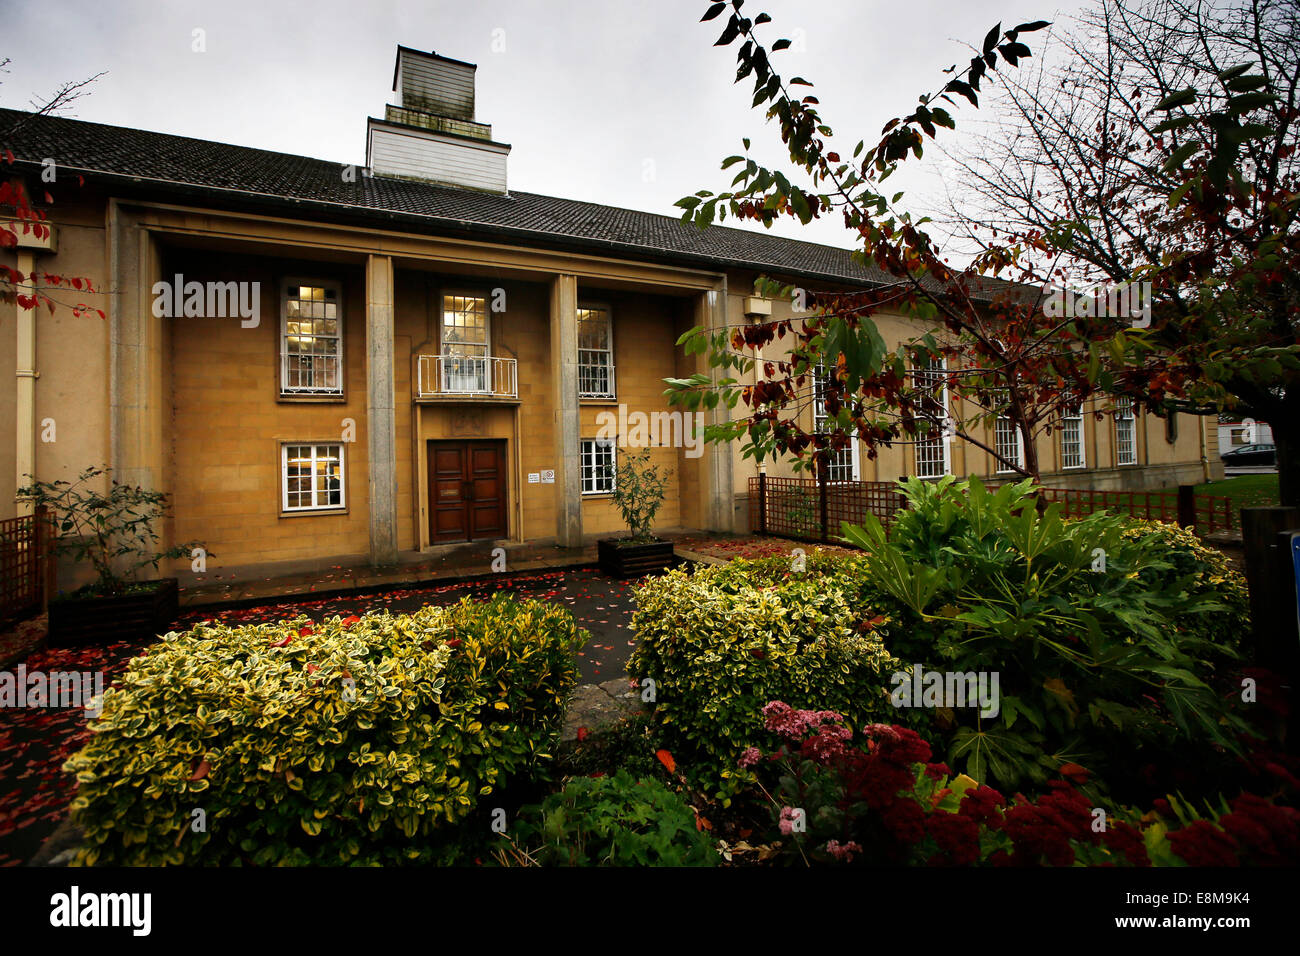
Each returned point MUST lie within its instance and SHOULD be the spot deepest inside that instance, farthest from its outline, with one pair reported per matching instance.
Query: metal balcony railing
(488, 376)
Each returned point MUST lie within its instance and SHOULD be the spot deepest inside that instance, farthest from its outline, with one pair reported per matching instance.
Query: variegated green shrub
(721, 642)
(356, 741)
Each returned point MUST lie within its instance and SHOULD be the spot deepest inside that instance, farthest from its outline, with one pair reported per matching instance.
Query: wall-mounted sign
(548, 476)
(534, 477)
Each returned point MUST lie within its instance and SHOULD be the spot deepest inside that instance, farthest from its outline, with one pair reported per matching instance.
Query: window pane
(313, 477)
(311, 344)
(597, 459)
(595, 354)
(931, 451)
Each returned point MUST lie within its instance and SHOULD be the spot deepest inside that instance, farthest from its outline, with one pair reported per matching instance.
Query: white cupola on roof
(432, 134)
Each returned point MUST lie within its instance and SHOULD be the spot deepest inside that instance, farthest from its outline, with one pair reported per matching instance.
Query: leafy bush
(1205, 572)
(356, 741)
(1107, 637)
(626, 744)
(611, 821)
(115, 532)
(878, 799)
(639, 489)
(720, 641)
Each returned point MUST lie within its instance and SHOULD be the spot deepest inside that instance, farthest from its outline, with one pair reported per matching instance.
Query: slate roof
(133, 161)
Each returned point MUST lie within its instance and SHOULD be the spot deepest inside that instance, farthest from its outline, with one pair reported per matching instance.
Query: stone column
(381, 416)
(564, 400)
(718, 506)
(139, 405)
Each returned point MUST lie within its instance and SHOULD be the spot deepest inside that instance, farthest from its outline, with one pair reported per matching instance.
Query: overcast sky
(611, 101)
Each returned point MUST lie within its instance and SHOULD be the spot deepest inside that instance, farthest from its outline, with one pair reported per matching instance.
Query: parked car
(1257, 454)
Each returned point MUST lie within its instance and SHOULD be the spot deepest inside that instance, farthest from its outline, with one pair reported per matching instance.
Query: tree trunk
(1286, 435)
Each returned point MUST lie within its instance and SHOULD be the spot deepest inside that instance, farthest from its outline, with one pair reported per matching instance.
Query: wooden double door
(467, 490)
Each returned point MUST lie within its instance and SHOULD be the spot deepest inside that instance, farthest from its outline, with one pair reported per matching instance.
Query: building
(1237, 433)
(319, 362)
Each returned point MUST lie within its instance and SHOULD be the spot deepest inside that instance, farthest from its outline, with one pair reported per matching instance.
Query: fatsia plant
(1087, 628)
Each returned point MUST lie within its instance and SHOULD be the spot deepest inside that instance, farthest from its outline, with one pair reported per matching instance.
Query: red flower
(1127, 839)
(1204, 844)
(957, 837)
(981, 806)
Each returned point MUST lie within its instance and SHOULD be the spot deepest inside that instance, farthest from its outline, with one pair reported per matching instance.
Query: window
(464, 343)
(598, 456)
(313, 477)
(932, 450)
(841, 464)
(1072, 453)
(1007, 443)
(311, 339)
(1125, 432)
(595, 353)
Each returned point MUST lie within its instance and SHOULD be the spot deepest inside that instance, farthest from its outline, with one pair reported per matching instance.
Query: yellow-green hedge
(355, 741)
(721, 642)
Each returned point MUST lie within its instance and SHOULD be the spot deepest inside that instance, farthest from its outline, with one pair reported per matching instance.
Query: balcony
(465, 377)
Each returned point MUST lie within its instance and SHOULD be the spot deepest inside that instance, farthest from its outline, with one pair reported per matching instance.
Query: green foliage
(639, 489)
(1107, 635)
(627, 744)
(719, 642)
(115, 532)
(612, 821)
(356, 741)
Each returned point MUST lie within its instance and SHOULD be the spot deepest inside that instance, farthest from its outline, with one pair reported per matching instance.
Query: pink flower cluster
(795, 725)
(821, 734)
(787, 821)
(843, 852)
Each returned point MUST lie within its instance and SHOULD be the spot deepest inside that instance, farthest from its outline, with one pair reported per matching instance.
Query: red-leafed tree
(1009, 354)
(21, 217)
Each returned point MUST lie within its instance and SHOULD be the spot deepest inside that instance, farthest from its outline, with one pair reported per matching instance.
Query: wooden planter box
(139, 615)
(633, 560)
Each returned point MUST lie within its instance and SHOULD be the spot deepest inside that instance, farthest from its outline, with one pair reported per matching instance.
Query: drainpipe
(25, 371)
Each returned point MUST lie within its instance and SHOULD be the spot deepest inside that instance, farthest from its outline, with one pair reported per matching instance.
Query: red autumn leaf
(667, 760)
(48, 198)
(201, 770)
(350, 620)
(283, 642)
(454, 642)
(312, 668)
(582, 734)
(305, 631)
(1074, 773)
